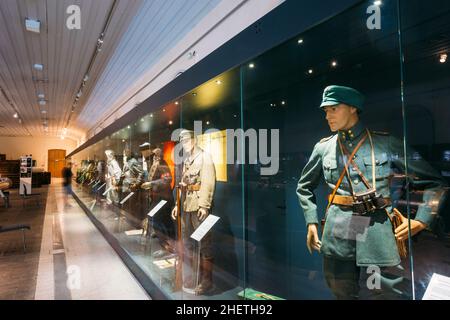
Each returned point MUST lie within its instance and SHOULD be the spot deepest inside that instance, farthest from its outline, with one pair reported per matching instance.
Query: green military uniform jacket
(367, 239)
(198, 169)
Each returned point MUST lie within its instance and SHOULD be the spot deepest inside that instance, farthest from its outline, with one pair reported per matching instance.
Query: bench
(17, 227)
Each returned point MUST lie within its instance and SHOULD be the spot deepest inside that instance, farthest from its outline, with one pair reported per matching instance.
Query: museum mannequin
(198, 184)
(112, 177)
(351, 239)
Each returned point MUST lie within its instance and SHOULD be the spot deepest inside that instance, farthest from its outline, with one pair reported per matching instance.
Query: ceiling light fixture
(15, 115)
(218, 82)
(334, 63)
(33, 25)
(443, 58)
(251, 65)
(38, 67)
(300, 41)
(377, 3)
(310, 71)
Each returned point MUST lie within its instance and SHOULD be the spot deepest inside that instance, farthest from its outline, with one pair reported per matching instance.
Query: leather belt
(193, 187)
(348, 200)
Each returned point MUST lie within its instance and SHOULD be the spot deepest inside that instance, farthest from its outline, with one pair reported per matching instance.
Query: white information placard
(438, 288)
(203, 229)
(127, 198)
(102, 186)
(157, 208)
(107, 190)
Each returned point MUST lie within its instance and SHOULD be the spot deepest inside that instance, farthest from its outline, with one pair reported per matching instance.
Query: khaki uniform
(200, 177)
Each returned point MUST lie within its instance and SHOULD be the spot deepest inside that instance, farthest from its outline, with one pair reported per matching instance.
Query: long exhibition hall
(238, 150)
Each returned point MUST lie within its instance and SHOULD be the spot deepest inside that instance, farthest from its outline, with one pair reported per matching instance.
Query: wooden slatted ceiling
(64, 53)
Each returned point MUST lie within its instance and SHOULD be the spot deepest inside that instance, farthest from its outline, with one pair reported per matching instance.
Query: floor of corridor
(66, 258)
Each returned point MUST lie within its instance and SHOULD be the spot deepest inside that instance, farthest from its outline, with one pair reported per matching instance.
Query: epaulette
(381, 133)
(326, 139)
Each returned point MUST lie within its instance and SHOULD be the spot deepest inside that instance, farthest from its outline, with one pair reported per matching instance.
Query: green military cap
(333, 95)
(186, 134)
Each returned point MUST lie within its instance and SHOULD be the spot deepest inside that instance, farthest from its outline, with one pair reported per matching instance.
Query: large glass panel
(212, 188)
(282, 91)
(426, 44)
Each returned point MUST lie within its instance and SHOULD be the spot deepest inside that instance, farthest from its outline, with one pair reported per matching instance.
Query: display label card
(134, 232)
(127, 198)
(157, 208)
(438, 288)
(95, 184)
(102, 186)
(107, 190)
(203, 229)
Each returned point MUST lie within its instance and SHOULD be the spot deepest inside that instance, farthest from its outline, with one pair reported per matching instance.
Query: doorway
(56, 162)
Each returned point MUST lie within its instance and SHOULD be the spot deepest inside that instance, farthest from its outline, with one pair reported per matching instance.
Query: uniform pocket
(330, 170)
(382, 168)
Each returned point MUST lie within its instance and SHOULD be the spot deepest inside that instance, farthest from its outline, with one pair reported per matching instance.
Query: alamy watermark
(238, 141)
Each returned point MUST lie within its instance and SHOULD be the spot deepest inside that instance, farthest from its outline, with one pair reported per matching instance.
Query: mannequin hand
(312, 239)
(174, 213)
(401, 233)
(202, 213)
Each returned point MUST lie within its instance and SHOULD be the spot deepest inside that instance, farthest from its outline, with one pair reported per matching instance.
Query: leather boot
(206, 282)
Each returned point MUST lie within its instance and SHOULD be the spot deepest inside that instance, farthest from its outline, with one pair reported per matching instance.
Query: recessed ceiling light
(38, 67)
(15, 115)
(334, 63)
(300, 41)
(443, 58)
(170, 122)
(177, 103)
(283, 103)
(310, 71)
(207, 122)
(194, 94)
(218, 82)
(33, 25)
(251, 65)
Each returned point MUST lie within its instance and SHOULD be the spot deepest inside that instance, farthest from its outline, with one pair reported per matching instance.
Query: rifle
(179, 261)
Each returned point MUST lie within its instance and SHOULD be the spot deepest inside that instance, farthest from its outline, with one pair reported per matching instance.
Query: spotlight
(177, 103)
(300, 41)
(38, 67)
(334, 64)
(170, 122)
(251, 65)
(443, 58)
(310, 71)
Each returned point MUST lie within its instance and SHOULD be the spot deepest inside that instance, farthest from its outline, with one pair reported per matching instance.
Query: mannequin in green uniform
(352, 242)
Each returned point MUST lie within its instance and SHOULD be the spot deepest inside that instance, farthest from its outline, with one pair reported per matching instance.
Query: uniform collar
(352, 133)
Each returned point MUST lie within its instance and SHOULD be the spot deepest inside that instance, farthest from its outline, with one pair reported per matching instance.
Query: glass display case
(220, 193)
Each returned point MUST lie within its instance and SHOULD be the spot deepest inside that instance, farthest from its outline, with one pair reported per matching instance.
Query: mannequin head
(109, 155)
(341, 116)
